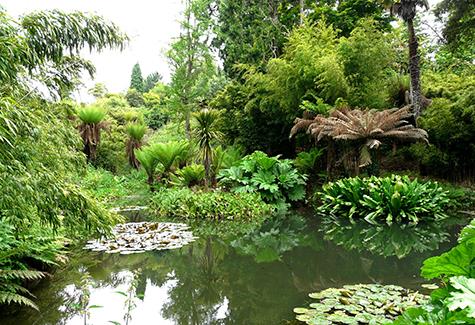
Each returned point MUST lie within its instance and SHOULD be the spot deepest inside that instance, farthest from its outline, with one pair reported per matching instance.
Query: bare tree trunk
(302, 10)
(414, 69)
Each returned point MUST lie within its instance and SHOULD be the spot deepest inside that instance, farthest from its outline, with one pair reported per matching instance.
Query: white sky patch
(151, 25)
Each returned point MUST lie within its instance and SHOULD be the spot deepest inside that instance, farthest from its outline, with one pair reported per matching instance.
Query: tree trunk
(414, 69)
(187, 125)
(302, 10)
(150, 183)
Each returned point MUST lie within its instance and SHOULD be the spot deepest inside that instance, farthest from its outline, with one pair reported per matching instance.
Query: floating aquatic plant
(359, 304)
(138, 237)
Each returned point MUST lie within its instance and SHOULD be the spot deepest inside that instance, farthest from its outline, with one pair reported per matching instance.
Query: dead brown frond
(369, 127)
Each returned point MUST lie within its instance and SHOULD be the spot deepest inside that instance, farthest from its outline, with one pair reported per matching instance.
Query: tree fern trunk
(414, 69)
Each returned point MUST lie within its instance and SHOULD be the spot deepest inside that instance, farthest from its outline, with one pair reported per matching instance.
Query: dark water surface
(207, 282)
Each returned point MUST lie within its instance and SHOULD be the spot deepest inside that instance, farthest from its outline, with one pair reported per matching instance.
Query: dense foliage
(275, 180)
(186, 205)
(39, 156)
(383, 201)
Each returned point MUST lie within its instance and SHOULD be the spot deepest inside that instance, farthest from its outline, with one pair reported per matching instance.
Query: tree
(90, 129)
(253, 22)
(206, 133)
(136, 133)
(151, 80)
(191, 60)
(407, 10)
(46, 45)
(458, 17)
(346, 15)
(134, 98)
(136, 79)
(367, 129)
(38, 144)
(99, 90)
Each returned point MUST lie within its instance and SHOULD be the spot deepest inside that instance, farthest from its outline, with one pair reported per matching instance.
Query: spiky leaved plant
(206, 133)
(367, 128)
(136, 133)
(92, 122)
(167, 155)
(148, 162)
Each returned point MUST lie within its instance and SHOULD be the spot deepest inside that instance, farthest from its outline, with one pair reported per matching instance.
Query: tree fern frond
(14, 298)
(21, 275)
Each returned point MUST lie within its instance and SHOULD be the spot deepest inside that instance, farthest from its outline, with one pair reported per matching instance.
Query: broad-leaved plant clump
(276, 180)
(383, 201)
(454, 302)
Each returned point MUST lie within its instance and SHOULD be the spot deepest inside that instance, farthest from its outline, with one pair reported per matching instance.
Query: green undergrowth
(116, 190)
(210, 212)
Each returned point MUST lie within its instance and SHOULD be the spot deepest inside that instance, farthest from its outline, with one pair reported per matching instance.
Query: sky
(151, 25)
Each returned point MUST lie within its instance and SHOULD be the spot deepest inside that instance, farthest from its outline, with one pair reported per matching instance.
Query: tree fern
(13, 293)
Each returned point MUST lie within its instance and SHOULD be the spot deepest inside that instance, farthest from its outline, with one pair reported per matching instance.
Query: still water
(209, 282)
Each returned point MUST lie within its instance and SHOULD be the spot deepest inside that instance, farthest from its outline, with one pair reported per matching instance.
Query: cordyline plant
(92, 122)
(206, 133)
(368, 129)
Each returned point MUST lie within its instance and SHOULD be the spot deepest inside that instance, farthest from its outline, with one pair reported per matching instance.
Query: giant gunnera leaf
(464, 298)
(460, 260)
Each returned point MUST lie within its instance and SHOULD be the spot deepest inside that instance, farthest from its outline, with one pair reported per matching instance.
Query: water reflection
(395, 240)
(209, 282)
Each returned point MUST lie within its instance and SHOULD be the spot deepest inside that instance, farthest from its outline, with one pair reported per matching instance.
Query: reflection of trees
(198, 293)
(209, 275)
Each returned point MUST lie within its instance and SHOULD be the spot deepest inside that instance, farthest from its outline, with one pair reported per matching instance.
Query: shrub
(383, 201)
(183, 203)
(306, 161)
(277, 181)
(189, 176)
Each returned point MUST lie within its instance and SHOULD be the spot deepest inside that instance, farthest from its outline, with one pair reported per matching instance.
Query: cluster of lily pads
(139, 237)
(359, 304)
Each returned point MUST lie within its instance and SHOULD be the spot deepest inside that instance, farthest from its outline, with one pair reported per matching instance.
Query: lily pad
(359, 304)
(139, 237)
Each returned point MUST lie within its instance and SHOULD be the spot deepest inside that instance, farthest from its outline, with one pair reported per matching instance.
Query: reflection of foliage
(384, 201)
(276, 236)
(276, 180)
(395, 240)
(361, 303)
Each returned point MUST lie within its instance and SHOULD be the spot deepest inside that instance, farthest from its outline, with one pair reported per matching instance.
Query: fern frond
(14, 298)
(21, 275)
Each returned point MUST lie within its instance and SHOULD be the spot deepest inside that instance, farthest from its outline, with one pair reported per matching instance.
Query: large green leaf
(458, 261)
(464, 300)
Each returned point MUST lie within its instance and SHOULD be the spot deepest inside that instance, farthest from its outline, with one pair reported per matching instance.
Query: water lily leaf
(300, 310)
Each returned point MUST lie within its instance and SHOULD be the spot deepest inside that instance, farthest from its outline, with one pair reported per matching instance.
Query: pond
(209, 282)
